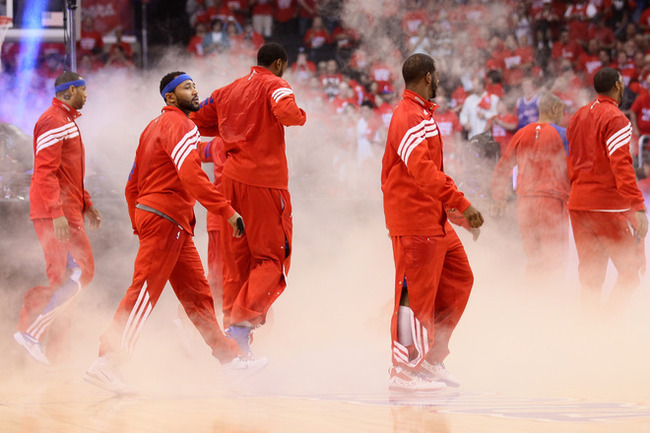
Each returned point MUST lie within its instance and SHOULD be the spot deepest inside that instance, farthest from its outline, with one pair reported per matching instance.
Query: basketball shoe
(437, 371)
(246, 365)
(406, 381)
(33, 347)
(105, 373)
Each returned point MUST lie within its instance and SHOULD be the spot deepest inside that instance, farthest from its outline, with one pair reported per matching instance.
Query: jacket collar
(259, 70)
(71, 112)
(428, 105)
(603, 98)
(172, 109)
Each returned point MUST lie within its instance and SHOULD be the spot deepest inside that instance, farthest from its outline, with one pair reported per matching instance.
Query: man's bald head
(551, 108)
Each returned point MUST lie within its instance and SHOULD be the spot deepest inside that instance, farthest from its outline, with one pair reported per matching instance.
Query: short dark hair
(416, 66)
(605, 79)
(168, 79)
(270, 52)
(66, 77)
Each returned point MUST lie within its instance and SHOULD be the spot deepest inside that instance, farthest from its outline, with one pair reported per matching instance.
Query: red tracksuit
(429, 257)
(57, 189)
(604, 196)
(542, 193)
(167, 178)
(250, 115)
(213, 152)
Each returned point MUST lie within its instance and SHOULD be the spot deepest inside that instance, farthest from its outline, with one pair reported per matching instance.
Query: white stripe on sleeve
(619, 133)
(281, 93)
(414, 136)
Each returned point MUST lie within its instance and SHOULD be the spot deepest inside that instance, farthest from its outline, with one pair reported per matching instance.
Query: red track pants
(439, 280)
(54, 324)
(166, 253)
(256, 264)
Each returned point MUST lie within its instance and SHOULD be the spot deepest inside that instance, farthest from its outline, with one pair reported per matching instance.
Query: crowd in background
(495, 60)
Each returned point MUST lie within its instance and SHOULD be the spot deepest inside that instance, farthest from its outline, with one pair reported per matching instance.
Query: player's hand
(498, 209)
(61, 229)
(475, 233)
(94, 218)
(237, 224)
(642, 225)
(473, 217)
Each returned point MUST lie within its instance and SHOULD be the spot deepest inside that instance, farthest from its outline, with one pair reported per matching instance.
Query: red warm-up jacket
(416, 190)
(600, 165)
(167, 174)
(250, 115)
(57, 187)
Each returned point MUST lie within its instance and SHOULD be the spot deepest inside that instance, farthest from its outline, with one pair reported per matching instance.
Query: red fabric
(212, 152)
(255, 265)
(448, 125)
(57, 186)
(544, 228)
(250, 115)
(439, 280)
(195, 46)
(90, 41)
(538, 151)
(263, 7)
(601, 236)
(413, 20)
(316, 38)
(571, 50)
(305, 13)
(589, 64)
(644, 20)
(382, 74)
(641, 108)
(126, 47)
(502, 135)
(416, 190)
(167, 173)
(285, 10)
(166, 253)
(56, 333)
(215, 267)
(600, 164)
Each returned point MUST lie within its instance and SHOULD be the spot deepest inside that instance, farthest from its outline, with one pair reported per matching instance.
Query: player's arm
(182, 149)
(410, 145)
(206, 119)
(47, 160)
(131, 193)
(284, 106)
(503, 173)
(618, 132)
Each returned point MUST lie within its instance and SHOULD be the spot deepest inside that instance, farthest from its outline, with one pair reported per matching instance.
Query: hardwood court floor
(77, 407)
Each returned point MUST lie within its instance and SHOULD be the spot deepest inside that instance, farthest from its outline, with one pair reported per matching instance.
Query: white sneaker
(33, 347)
(248, 365)
(439, 373)
(105, 373)
(405, 381)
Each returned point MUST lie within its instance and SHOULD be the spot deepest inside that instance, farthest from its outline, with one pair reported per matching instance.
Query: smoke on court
(329, 332)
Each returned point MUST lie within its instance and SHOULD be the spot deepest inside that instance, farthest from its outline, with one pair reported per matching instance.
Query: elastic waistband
(157, 212)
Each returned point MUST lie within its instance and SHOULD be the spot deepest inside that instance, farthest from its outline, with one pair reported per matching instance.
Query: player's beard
(434, 91)
(190, 106)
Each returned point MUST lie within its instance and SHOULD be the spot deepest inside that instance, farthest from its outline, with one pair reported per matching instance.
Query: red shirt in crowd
(448, 125)
(285, 10)
(502, 135)
(641, 108)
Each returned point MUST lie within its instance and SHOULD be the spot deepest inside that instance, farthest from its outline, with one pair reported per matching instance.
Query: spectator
(478, 108)
(640, 111)
(566, 48)
(90, 40)
(307, 11)
(527, 104)
(215, 41)
(331, 78)
(422, 42)
(119, 42)
(448, 125)
(262, 15)
(589, 62)
(502, 125)
(303, 69)
(195, 46)
(317, 41)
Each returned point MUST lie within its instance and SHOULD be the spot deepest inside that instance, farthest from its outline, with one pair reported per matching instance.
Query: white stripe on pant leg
(134, 337)
(135, 308)
(43, 321)
(128, 330)
(417, 342)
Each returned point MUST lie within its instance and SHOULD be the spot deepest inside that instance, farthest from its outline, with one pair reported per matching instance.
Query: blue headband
(66, 86)
(174, 83)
